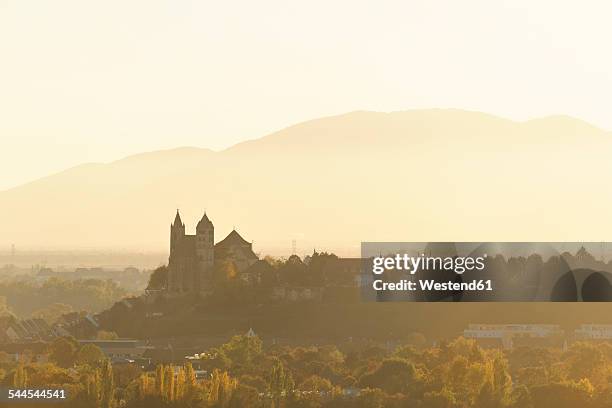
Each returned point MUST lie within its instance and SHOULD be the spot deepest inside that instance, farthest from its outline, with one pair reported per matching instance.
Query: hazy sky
(85, 81)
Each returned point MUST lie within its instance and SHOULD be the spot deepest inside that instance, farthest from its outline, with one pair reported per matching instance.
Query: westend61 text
(427, 285)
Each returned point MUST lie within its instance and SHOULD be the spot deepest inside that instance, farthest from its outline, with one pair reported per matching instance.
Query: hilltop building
(193, 258)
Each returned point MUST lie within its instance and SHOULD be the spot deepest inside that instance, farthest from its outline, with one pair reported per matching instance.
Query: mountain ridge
(333, 182)
(565, 119)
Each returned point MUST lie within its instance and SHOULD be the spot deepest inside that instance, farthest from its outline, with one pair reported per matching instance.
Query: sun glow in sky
(95, 81)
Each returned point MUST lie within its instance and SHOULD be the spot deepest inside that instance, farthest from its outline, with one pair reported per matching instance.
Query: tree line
(56, 296)
(242, 373)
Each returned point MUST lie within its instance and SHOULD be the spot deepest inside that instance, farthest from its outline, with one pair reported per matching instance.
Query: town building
(508, 336)
(120, 350)
(593, 332)
(14, 330)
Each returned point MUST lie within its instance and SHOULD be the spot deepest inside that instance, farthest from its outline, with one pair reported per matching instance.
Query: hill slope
(332, 182)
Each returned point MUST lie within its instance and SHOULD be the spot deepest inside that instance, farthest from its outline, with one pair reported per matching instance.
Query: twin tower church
(194, 257)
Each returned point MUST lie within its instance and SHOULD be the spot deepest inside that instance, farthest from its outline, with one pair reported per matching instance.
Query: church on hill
(193, 258)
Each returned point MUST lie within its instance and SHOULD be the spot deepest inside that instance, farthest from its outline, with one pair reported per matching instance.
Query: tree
(566, 394)
(265, 274)
(371, 398)
(53, 312)
(521, 397)
(293, 271)
(244, 396)
(585, 360)
(5, 310)
(5, 357)
(317, 384)
(168, 392)
(392, 376)
(158, 279)
(63, 351)
(254, 381)
(42, 375)
(221, 388)
(486, 397)
(125, 374)
(20, 377)
(93, 389)
(180, 385)
(321, 269)
(144, 386)
(99, 388)
(190, 380)
(502, 382)
(225, 272)
(242, 350)
(107, 386)
(170, 386)
(497, 388)
(443, 398)
(280, 383)
(418, 340)
(91, 355)
(159, 380)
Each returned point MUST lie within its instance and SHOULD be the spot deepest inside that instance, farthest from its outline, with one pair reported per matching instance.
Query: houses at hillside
(14, 330)
(78, 325)
(509, 336)
(121, 350)
(593, 332)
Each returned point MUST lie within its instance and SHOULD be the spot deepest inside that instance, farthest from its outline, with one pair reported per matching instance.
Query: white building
(593, 332)
(507, 334)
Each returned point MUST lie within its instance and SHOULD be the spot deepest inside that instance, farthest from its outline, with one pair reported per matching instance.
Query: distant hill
(330, 183)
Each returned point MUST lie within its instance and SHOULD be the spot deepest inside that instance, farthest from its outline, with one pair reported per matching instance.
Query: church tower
(175, 272)
(205, 253)
(177, 232)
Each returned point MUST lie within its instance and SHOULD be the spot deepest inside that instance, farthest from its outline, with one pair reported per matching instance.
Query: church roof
(204, 223)
(233, 238)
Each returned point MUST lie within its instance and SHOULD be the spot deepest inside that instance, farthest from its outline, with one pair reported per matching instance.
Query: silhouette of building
(193, 258)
